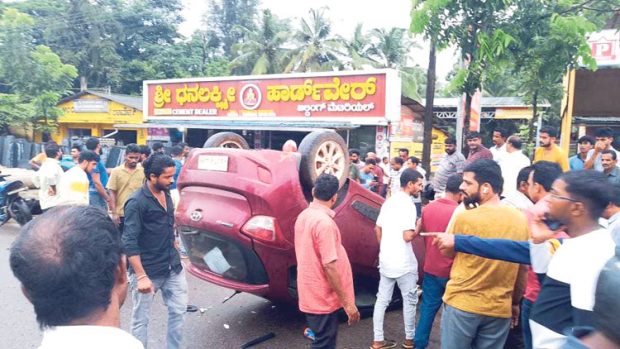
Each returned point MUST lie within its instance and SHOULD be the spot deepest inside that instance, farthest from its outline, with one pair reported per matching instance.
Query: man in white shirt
(71, 265)
(396, 169)
(514, 162)
(604, 139)
(397, 263)
(48, 177)
(499, 145)
(73, 187)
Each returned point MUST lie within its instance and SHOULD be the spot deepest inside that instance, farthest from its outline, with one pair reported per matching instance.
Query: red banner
(362, 95)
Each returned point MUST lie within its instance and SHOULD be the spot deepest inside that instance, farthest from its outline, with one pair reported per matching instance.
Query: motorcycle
(12, 205)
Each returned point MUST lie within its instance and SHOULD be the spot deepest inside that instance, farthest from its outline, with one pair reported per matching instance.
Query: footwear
(408, 344)
(387, 344)
(192, 308)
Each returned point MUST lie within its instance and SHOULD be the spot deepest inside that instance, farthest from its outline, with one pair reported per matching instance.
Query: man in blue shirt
(98, 179)
(584, 145)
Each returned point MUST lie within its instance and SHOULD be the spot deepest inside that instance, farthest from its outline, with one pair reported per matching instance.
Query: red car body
(237, 222)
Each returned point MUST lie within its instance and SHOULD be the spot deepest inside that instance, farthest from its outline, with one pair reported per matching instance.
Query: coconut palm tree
(262, 51)
(359, 50)
(392, 50)
(317, 49)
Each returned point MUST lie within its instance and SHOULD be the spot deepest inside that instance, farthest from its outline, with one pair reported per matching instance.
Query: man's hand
(599, 146)
(352, 313)
(516, 313)
(443, 241)
(51, 191)
(115, 218)
(145, 285)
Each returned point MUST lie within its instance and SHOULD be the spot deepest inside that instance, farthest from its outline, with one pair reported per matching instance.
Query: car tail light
(265, 229)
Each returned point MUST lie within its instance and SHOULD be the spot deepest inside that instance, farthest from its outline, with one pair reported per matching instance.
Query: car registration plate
(213, 163)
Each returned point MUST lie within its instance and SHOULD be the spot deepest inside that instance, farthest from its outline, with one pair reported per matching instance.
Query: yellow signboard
(513, 113)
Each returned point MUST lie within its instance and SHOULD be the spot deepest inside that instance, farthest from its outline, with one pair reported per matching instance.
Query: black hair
(325, 187)
(472, 135)
(545, 173)
(398, 160)
(604, 132)
(614, 156)
(88, 155)
(176, 150)
(606, 301)
(515, 142)
(371, 162)
(588, 139)
(487, 171)
(183, 144)
(552, 132)
(354, 151)
(414, 160)
(132, 149)
(157, 146)
(51, 149)
(403, 150)
(92, 143)
(523, 175)
(409, 175)
(615, 189)
(503, 133)
(67, 261)
(453, 184)
(145, 150)
(77, 146)
(384, 158)
(591, 188)
(156, 164)
(450, 140)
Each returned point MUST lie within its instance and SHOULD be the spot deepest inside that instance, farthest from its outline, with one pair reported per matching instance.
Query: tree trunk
(467, 119)
(532, 130)
(428, 111)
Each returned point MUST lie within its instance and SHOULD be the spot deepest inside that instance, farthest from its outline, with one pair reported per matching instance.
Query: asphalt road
(228, 325)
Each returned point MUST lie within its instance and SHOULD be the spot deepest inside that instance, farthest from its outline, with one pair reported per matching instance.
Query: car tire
(226, 140)
(323, 152)
(19, 211)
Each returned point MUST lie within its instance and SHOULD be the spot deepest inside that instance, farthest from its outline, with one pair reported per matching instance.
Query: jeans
(433, 288)
(526, 309)
(408, 288)
(94, 199)
(174, 292)
(325, 328)
(461, 329)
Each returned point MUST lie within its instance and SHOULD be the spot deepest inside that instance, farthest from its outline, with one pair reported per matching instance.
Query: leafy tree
(262, 50)
(316, 48)
(226, 17)
(33, 87)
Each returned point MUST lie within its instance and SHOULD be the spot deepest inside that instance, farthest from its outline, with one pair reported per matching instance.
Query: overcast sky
(345, 14)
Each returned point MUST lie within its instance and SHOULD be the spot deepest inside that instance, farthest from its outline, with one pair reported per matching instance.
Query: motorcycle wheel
(20, 211)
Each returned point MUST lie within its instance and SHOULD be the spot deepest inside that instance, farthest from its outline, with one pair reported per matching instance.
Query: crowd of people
(77, 282)
(514, 247)
(518, 254)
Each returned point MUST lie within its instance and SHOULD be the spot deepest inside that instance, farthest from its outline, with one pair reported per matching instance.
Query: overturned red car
(238, 209)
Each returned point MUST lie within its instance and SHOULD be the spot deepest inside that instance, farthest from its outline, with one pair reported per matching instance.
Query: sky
(345, 14)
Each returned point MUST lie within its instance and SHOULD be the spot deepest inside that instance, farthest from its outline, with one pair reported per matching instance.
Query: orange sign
(319, 95)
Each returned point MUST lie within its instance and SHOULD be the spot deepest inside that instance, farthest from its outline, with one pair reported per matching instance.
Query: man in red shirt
(324, 277)
(476, 149)
(435, 218)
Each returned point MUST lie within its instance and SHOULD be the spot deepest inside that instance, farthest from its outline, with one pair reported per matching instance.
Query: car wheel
(323, 152)
(226, 140)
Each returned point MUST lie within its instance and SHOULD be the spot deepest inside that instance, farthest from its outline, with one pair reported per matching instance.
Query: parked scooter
(11, 204)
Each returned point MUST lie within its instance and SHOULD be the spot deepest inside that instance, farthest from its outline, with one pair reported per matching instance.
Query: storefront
(267, 110)
(94, 114)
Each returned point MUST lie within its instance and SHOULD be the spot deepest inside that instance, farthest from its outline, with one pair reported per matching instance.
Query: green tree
(317, 49)
(360, 50)
(226, 17)
(392, 50)
(31, 88)
(262, 50)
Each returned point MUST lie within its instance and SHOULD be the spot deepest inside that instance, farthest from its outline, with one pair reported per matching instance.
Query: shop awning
(267, 125)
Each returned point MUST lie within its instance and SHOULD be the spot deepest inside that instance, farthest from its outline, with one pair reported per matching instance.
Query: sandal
(387, 344)
(408, 346)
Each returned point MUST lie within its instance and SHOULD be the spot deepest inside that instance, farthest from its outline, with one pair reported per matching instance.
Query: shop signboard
(605, 47)
(360, 94)
(90, 106)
